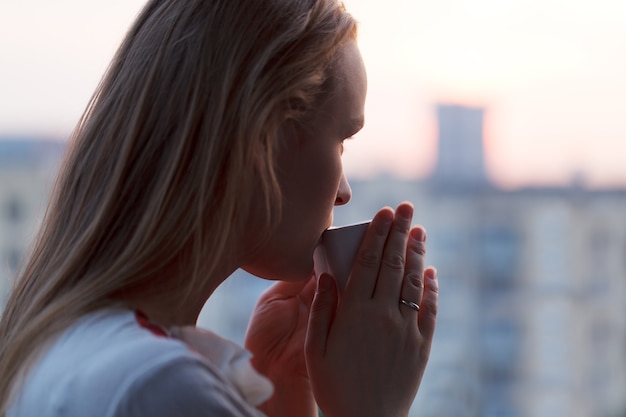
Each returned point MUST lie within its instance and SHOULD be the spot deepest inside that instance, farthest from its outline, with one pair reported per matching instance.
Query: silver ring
(411, 304)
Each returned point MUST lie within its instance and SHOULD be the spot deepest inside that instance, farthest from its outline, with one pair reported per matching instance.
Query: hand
(276, 337)
(367, 352)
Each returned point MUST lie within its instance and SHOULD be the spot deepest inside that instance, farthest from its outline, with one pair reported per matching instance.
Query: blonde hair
(182, 128)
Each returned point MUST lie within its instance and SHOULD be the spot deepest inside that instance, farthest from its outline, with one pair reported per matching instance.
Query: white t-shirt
(110, 364)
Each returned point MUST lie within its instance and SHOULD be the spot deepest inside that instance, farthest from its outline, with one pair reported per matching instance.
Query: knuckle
(394, 261)
(368, 258)
(432, 307)
(382, 229)
(415, 279)
(401, 227)
(418, 247)
(430, 302)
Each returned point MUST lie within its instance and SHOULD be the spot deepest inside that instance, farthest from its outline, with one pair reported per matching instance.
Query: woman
(214, 143)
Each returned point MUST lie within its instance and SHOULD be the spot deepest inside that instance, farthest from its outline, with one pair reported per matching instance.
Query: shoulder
(108, 364)
(181, 388)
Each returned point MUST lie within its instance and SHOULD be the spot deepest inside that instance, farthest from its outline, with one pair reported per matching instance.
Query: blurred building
(460, 160)
(533, 281)
(27, 171)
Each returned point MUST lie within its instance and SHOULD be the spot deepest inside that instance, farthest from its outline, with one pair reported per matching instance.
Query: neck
(169, 302)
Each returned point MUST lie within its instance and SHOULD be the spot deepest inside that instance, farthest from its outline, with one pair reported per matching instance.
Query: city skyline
(548, 74)
(531, 316)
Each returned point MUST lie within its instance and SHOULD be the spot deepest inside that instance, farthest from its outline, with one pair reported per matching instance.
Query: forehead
(347, 85)
(348, 66)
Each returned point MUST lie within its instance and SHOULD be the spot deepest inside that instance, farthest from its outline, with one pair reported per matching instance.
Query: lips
(319, 240)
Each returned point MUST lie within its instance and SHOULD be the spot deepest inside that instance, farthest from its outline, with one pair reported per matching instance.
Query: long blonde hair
(181, 129)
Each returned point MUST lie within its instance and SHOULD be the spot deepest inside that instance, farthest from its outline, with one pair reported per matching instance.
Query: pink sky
(551, 73)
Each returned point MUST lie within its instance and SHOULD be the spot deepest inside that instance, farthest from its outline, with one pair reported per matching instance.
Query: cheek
(321, 194)
(334, 180)
(323, 176)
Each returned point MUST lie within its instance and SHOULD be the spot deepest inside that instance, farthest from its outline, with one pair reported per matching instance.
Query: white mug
(337, 250)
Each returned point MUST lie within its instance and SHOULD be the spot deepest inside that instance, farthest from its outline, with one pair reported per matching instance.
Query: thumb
(321, 315)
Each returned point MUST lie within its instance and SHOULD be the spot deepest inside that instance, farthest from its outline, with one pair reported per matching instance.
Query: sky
(551, 75)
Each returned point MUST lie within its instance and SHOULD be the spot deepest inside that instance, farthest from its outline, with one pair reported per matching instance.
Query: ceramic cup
(337, 250)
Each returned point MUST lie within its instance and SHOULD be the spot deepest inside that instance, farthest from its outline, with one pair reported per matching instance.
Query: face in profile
(311, 172)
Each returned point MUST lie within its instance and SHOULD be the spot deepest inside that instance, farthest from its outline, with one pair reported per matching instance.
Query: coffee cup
(337, 250)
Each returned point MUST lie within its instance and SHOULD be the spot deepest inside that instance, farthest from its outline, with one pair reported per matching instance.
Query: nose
(344, 193)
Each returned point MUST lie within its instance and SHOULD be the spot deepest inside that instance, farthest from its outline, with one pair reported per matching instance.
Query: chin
(296, 273)
(287, 271)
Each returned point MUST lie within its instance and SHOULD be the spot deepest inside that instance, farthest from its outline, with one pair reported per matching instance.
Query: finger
(287, 289)
(391, 273)
(413, 282)
(428, 310)
(308, 292)
(321, 316)
(362, 280)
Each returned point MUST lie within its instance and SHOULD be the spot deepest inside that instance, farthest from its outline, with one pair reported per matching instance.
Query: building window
(14, 209)
(499, 251)
(501, 341)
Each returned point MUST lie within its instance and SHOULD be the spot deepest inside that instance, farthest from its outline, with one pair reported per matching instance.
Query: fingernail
(418, 234)
(405, 211)
(383, 220)
(324, 283)
(386, 215)
(431, 273)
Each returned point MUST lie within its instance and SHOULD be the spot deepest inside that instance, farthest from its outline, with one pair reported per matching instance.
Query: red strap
(154, 328)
